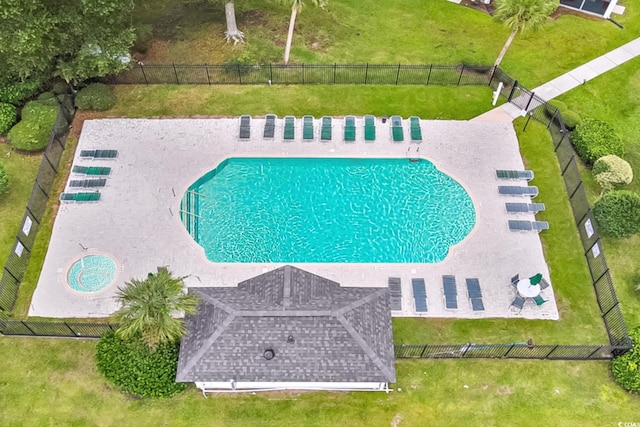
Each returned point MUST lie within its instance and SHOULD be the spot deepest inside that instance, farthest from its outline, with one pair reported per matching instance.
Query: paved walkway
(576, 77)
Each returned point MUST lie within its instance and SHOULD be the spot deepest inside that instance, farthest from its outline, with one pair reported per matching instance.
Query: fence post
(206, 69)
(33, 217)
(564, 135)
(552, 350)
(30, 330)
(239, 74)
(175, 72)
(529, 102)
(270, 72)
(460, 78)
(423, 350)
(508, 351)
(594, 352)
(69, 328)
(302, 73)
(41, 189)
(513, 89)
(60, 143)
(398, 74)
(575, 189)
(555, 113)
(55, 170)
(6, 270)
(335, 66)
(493, 73)
(143, 73)
(366, 73)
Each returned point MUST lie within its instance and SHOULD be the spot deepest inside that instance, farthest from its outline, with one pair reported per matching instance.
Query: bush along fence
(536, 108)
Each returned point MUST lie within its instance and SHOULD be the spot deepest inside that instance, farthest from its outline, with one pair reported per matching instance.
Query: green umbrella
(535, 280)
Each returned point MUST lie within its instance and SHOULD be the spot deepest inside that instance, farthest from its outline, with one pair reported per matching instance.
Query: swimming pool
(92, 273)
(327, 210)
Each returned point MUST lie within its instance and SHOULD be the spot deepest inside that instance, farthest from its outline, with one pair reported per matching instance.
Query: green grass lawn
(359, 31)
(21, 170)
(434, 102)
(615, 98)
(54, 382)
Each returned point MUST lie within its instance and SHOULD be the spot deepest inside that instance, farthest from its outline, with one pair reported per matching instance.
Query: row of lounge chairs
(449, 290)
(326, 128)
(527, 190)
(94, 177)
(515, 190)
(92, 170)
(515, 174)
(533, 208)
(87, 183)
(92, 196)
(98, 154)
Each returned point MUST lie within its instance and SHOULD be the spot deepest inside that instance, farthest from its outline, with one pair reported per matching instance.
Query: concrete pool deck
(136, 220)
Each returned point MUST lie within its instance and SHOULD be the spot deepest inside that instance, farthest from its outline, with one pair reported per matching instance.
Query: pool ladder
(189, 212)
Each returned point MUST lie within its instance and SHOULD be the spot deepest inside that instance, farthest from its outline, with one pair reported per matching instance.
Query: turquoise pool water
(92, 273)
(327, 210)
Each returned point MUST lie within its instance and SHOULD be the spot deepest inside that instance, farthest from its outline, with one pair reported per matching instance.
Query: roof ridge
(367, 349)
(357, 303)
(214, 301)
(205, 346)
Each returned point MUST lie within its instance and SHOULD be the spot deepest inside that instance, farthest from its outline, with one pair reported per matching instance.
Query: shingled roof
(317, 331)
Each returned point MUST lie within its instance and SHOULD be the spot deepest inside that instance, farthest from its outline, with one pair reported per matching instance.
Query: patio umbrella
(535, 280)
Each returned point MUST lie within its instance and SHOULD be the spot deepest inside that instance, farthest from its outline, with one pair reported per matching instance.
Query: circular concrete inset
(92, 273)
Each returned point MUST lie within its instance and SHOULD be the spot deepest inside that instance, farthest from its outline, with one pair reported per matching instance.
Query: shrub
(42, 113)
(4, 180)
(135, 369)
(571, 119)
(144, 32)
(18, 92)
(626, 368)
(29, 135)
(48, 98)
(96, 96)
(594, 139)
(618, 213)
(550, 109)
(611, 172)
(8, 117)
(60, 88)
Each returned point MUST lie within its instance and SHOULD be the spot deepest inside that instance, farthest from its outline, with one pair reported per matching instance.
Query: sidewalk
(576, 77)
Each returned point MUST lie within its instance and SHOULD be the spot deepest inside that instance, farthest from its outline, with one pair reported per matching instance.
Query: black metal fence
(541, 111)
(507, 351)
(320, 74)
(535, 107)
(16, 265)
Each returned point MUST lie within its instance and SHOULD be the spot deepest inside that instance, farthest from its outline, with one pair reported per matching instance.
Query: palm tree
(296, 6)
(149, 306)
(522, 15)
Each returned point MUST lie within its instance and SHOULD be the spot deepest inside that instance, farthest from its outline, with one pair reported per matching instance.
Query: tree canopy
(522, 15)
(74, 39)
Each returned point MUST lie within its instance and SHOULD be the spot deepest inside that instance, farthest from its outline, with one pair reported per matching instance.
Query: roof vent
(269, 354)
(290, 339)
